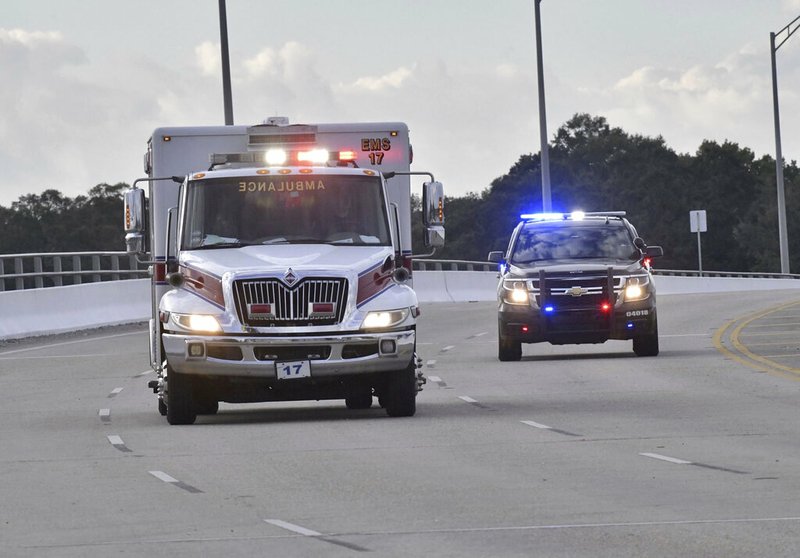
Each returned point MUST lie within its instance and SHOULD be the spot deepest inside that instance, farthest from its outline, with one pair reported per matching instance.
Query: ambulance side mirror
(433, 213)
(134, 203)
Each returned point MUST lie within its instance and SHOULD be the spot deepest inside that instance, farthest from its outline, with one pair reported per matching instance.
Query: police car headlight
(636, 288)
(515, 292)
(199, 323)
(384, 319)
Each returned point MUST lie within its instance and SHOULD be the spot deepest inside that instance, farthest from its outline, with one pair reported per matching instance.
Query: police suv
(576, 278)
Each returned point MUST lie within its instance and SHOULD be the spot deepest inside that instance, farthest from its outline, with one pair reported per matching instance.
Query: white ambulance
(281, 264)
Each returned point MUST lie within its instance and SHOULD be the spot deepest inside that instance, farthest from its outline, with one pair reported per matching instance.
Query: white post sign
(698, 224)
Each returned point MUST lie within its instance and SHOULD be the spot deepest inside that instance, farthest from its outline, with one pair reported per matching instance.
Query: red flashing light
(647, 262)
(605, 307)
(524, 329)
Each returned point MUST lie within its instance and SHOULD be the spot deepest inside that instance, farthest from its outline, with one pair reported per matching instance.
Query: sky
(85, 82)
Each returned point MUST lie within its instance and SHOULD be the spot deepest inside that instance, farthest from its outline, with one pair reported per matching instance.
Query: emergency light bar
(279, 157)
(575, 215)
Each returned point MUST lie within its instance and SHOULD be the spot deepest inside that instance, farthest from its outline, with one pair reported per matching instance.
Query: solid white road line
(666, 458)
(292, 527)
(536, 424)
(467, 398)
(40, 347)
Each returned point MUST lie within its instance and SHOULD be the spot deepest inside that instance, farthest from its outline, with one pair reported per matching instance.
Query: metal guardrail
(55, 269)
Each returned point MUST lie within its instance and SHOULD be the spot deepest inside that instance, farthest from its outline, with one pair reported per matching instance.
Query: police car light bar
(575, 215)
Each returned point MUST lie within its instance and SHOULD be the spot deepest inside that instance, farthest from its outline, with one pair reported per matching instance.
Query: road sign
(697, 221)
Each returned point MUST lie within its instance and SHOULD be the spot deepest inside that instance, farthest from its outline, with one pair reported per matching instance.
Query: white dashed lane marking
(162, 476)
(115, 392)
(105, 415)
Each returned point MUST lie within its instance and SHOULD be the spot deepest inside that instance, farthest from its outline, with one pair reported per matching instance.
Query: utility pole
(226, 64)
(783, 236)
(547, 204)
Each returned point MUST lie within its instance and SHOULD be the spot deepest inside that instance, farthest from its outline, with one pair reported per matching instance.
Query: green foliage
(596, 167)
(52, 222)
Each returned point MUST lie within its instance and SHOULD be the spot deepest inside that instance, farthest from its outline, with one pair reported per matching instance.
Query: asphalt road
(575, 451)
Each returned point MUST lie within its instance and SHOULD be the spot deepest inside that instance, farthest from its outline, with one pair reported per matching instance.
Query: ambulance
(280, 258)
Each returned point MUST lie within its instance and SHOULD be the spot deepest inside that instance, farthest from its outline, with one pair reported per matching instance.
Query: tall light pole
(547, 204)
(783, 236)
(226, 64)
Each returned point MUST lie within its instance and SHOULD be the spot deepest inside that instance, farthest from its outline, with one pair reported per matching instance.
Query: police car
(569, 278)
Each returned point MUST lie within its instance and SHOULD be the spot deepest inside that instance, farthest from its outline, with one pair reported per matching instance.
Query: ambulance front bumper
(328, 356)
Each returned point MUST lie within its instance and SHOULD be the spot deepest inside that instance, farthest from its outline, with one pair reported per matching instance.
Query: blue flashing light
(630, 325)
(543, 216)
(549, 309)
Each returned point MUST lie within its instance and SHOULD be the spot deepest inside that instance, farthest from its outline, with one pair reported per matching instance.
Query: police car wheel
(508, 349)
(646, 345)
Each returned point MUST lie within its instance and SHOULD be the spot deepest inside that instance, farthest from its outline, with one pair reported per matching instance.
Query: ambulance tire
(360, 398)
(401, 392)
(162, 407)
(180, 407)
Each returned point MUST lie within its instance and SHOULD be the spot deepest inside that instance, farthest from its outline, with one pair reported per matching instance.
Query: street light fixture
(782, 232)
(547, 205)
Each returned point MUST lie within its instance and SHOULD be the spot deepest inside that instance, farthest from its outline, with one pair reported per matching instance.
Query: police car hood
(577, 267)
(341, 260)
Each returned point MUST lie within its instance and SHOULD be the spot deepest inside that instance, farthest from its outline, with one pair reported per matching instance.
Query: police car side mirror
(495, 257)
(653, 251)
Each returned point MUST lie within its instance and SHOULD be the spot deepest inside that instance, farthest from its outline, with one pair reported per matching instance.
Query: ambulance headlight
(198, 323)
(384, 319)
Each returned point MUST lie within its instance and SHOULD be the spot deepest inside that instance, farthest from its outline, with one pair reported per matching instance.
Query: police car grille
(562, 292)
(290, 306)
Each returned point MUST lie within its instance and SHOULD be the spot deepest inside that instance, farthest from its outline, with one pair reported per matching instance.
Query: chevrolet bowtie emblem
(577, 291)
(289, 277)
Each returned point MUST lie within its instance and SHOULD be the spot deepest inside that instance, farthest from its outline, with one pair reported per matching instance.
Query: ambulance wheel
(401, 392)
(180, 407)
(209, 407)
(508, 349)
(360, 398)
(162, 407)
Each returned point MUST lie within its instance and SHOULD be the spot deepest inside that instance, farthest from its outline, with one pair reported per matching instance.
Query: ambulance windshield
(285, 209)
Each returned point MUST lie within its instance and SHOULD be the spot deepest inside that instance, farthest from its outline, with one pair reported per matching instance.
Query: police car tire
(508, 350)
(401, 392)
(180, 407)
(646, 345)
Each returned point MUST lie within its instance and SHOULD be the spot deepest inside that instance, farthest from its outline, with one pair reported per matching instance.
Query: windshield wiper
(236, 244)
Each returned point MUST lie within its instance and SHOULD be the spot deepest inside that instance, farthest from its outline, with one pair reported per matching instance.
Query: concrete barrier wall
(61, 309)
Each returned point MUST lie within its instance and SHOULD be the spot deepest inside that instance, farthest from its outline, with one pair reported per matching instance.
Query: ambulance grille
(290, 306)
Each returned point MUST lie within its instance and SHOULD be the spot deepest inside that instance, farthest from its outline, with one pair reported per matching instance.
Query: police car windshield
(573, 241)
(286, 209)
